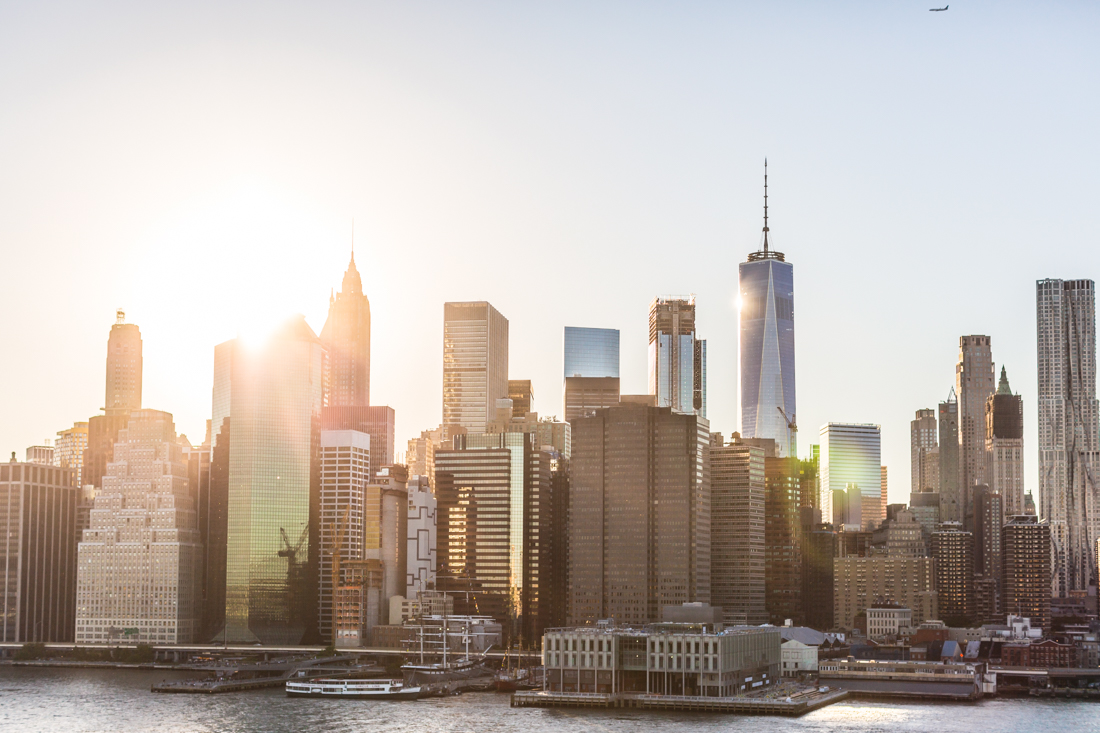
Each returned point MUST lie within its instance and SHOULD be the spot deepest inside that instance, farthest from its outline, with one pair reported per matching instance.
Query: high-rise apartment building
(1004, 445)
(922, 445)
(851, 454)
(1069, 447)
(475, 364)
(953, 552)
(591, 370)
(37, 553)
(640, 513)
(123, 367)
(860, 582)
(1027, 559)
(766, 282)
(69, 450)
(139, 571)
(494, 514)
(951, 508)
(989, 518)
(272, 396)
(737, 533)
(346, 338)
(677, 359)
(974, 383)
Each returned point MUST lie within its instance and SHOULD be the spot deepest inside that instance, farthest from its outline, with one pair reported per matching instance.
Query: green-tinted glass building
(273, 395)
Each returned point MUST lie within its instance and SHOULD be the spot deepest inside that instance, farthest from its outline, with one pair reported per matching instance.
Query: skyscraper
(522, 395)
(767, 343)
(346, 338)
(123, 367)
(69, 450)
(782, 540)
(953, 552)
(974, 384)
(677, 359)
(737, 533)
(591, 370)
(272, 397)
(1004, 444)
(1069, 448)
(922, 444)
(1027, 569)
(950, 500)
(989, 518)
(475, 364)
(851, 455)
(376, 421)
(640, 513)
(140, 562)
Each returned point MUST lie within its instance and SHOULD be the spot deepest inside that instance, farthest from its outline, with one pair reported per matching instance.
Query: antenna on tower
(765, 204)
(353, 239)
(120, 316)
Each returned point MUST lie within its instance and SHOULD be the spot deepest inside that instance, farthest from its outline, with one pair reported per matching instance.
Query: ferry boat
(352, 689)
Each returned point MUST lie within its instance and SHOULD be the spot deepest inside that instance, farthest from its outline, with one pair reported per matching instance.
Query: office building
(923, 445)
(376, 421)
(851, 454)
(640, 513)
(139, 571)
(422, 552)
(819, 548)
(475, 364)
(69, 450)
(346, 338)
(591, 370)
(989, 519)
(925, 508)
(37, 553)
(123, 392)
(782, 540)
(951, 509)
(953, 551)
(1069, 448)
(211, 506)
(1004, 445)
(737, 533)
(899, 536)
(272, 396)
(809, 478)
(862, 582)
(974, 383)
(522, 395)
(677, 359)
(766, 286)
(1027, 560)
(494, 513)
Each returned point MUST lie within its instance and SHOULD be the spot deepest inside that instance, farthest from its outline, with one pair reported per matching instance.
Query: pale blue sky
(200, 166)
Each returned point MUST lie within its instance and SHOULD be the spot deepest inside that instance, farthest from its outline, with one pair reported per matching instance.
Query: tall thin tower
(123, 393)
(1069, 450)
(677, 359)
(346, 337)
(974, 383)
(767, 343)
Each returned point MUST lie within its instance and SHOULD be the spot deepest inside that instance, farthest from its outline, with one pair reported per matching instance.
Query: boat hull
(402, 695)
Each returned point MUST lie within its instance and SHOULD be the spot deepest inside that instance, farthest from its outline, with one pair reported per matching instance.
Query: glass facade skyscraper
(677, 359)
(851, 456)
(766, 283)
(591, 370)
(475, 364)
(272, 397)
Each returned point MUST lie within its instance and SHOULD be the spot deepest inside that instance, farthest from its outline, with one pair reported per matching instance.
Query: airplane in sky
(938, 10)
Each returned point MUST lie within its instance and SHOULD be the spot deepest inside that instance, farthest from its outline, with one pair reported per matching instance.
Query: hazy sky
(200, 166)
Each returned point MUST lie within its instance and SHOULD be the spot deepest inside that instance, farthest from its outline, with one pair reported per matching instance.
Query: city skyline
(273, 242)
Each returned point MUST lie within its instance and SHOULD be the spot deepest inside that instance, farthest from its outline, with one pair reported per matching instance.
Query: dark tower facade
(346, 338)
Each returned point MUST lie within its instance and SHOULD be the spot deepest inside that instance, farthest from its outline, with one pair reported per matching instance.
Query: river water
(86, 700)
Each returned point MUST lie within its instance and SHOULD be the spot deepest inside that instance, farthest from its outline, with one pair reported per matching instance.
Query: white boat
(352, 689)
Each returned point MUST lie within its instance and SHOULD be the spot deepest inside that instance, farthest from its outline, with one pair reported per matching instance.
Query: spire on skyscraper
(765, 204)
(352, 283)
(1002, 386)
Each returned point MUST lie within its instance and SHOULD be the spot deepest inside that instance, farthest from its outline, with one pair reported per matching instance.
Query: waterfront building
(124, 363)
(376, 421)
(140, 562)
(737, 531)
(37, 553)
(1069, 445)
(766, 286)
(950, 498)
(798, 658)
(423, 535)
(819, 548)
(640, 513)
(591, 370)
(953, 551)
(346, 338)
(924, 452)
(1027, 559)
(989, 517)
(861, 582)
(69, 450)
(272, 395)
(475, 364)
(494, 514)
(662, 659)
(974, 384)
(851, 454)
(677, 359)
(1004, 445)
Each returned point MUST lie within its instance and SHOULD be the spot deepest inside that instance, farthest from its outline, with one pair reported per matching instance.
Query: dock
(795, 707)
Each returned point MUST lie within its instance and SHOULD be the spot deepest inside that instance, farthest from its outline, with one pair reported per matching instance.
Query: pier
(793, 706)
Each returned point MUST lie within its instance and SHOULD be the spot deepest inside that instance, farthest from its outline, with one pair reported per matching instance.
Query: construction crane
(792, 429)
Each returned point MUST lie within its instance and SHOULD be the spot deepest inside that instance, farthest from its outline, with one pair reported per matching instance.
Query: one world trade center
(767, 345)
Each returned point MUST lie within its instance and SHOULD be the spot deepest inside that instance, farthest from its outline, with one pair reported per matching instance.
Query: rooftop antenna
(765, 204)
(353, 239)
(120, 316)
